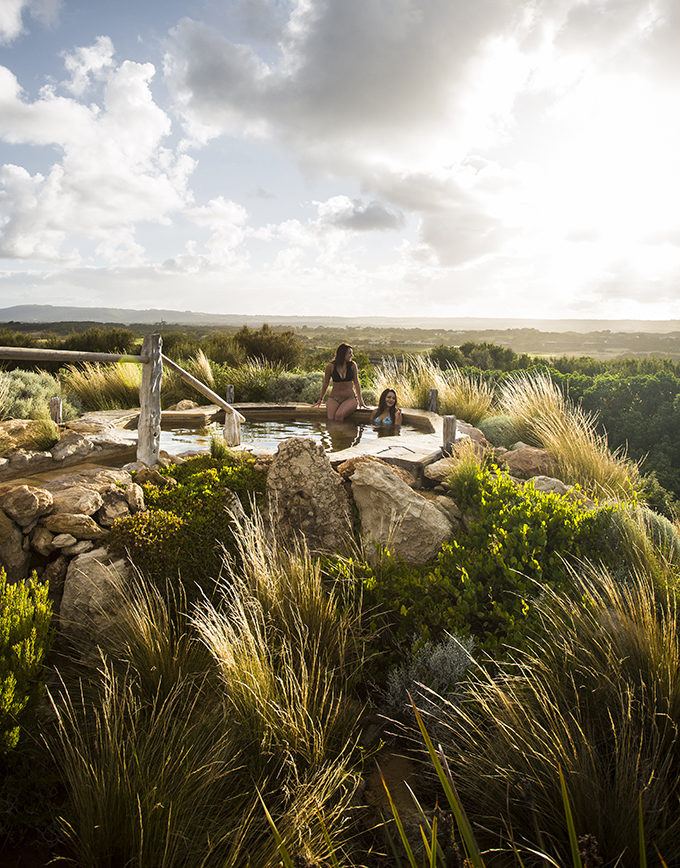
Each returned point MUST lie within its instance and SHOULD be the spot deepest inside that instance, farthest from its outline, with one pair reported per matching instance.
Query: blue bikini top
(386, 421)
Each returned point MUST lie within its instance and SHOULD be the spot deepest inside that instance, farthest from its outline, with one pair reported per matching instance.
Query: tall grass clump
(103, 386)
(252, 380)
(463, 394)
(190, 718)
(175, 389)
(598, 695)
(547, 419)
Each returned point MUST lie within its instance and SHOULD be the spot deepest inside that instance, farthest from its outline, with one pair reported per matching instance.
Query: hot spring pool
(266, 435)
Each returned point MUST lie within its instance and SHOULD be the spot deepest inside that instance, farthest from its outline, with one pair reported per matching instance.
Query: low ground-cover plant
(484, 583)
(187, 525)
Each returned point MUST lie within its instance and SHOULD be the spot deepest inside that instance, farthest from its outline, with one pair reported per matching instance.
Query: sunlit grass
(188, 717)
(102, 386)
(545, 418)
(599, 696)
(462, 394)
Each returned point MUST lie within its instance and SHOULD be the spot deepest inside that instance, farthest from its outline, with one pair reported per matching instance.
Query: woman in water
(345, 394)
(388, 412)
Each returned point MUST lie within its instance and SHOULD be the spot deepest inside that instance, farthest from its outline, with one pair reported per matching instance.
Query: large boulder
(114, 505)
(396, 517)
(92, 593)
(77, 499)
(25, 503)
(307, 497)
(528, 461)
(80, 526)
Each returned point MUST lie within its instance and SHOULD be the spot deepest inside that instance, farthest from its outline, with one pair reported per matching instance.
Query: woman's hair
(382, 401)
(341, 354)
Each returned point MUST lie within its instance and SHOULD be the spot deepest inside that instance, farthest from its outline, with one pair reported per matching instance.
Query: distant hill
(47, 313)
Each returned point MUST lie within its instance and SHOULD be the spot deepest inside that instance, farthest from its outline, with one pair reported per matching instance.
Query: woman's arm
(357, 386)
(326, 381)
(397, 416)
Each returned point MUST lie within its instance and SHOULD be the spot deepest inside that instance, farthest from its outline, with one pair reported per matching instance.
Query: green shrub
(27, 394)
(186, 526)
(25, 636)
(500, 430)
(281, 348)
(251, 381)
(484, 583)
(290, 387)
(97, 340)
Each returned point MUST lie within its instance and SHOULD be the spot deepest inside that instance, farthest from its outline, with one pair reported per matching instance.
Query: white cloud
(88, 61)
(11, 16)
(114, 170)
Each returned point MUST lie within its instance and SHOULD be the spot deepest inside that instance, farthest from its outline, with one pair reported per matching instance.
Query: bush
(597, 697)
(186, 526)
(282, 348)
(97, 340)
(485, 583)
(500, 430)
(27, 394)
(25, 636)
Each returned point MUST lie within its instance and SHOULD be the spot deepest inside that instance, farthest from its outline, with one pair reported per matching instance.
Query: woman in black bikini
(345, 394)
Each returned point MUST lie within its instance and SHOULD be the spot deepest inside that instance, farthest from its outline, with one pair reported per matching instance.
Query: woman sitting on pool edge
(345, 396)
(387, 412)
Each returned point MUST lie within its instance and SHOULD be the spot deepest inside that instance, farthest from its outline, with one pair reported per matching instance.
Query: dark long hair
(340, 355)
(382, 402)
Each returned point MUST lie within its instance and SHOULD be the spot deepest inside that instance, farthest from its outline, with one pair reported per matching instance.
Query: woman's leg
(348, 406)
(332, 407)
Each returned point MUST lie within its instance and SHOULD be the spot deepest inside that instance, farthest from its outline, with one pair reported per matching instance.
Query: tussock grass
(4, 395)
(103, 387)
(599, 698)
(461, 394)
(43, 435)
(189, 718)
(545, 418)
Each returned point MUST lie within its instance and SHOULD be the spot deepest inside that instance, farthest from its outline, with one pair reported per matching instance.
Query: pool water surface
(266, 435)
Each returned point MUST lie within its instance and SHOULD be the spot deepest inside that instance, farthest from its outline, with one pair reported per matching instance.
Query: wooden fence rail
(152, 360)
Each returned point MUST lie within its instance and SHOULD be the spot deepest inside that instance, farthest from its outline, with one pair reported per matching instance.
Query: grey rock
(396, 517)
(72, 444)
(307, 497)
(134, 494)
(24, 503)
(77, 499)
(81, 526)
(62, 540)
(13, 557)
(114, 506)
(41, 540)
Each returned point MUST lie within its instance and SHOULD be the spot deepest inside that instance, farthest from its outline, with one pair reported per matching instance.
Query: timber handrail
(29, 354)
(201, 387)
(152, 360)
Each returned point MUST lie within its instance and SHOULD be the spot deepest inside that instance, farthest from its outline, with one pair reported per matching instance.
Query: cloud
(11, 16)
(85, 62)
(114, 169)
(353, 215)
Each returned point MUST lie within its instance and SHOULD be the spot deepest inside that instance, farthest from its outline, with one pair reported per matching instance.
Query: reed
(102, 386)
(460, 393)
(545, 418)
(599, 697)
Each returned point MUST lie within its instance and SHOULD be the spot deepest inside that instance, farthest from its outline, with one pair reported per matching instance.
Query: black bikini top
(349, 374)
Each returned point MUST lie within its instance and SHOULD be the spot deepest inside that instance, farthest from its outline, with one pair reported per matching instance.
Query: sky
(342, 157)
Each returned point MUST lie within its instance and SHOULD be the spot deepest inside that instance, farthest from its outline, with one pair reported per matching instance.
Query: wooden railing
(152, 360)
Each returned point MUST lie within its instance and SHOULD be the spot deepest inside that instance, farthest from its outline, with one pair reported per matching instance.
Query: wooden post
(449, 431)
(149, 425)
(433, 401)
(229, 394)
(55, 410)
(232, 429)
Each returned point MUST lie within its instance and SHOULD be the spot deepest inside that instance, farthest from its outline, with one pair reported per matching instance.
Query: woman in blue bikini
(388, 412)
(345, 394)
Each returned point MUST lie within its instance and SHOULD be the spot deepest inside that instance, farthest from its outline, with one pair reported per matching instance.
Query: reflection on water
(333, 436)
